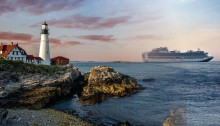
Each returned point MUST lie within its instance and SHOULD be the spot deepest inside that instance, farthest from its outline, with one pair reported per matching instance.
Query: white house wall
(17, 55)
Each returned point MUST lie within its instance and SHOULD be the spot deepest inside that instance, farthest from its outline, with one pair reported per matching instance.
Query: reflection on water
(194, 87)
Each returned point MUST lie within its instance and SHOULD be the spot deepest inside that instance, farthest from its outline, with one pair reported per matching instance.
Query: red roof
(60, 57)
(38, 58)
(8, 48)
(30, 56)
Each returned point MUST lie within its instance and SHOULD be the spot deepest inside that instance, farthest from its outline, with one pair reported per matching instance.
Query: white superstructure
(44, 52)
(162, 54)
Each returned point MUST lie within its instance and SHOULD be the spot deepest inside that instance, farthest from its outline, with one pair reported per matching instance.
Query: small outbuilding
(59, 60)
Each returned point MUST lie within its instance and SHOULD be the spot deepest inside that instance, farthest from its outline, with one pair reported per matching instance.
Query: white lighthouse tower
(44, 44)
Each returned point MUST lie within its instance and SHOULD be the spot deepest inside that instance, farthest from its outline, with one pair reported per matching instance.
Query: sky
(112, 30)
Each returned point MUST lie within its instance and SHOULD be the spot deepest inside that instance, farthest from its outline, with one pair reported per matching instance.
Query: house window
(11, 58)
(17, 52)
(18, 58)
(13, 52)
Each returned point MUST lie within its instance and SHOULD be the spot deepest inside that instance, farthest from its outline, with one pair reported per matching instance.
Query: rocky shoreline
(35, 87)
(27, 86)
(43, 117)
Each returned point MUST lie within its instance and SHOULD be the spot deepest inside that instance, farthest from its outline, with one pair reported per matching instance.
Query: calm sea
(191, 86)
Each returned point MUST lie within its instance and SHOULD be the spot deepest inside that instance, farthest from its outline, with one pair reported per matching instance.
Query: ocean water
(194, 87)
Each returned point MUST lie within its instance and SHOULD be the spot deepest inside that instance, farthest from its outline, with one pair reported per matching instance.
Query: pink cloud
(72, 43)
(57, 42)
(15, 36)
(38, 7)
(5, 7)
(103, 38)
(28, 40)
(147, 37)
(84, 22)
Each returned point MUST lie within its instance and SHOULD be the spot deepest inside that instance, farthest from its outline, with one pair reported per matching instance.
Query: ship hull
(205, 59)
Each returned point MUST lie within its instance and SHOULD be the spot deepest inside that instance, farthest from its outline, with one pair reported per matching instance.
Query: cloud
(5, 7)
(58, 42)
(38, 7)
(103, 38)
(36, 41)
(55, 41)
(85, 22)
(15, 36)
(147, 37)
(72, 43)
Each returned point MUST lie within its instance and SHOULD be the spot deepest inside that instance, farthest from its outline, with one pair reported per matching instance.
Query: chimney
(11, 43)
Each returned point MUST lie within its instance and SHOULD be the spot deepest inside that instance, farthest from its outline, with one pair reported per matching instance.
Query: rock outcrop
(176, 118)
(102, 82)
(3, 117)
(36, 86)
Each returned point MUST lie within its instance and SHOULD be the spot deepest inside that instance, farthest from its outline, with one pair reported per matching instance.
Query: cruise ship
(162, 54)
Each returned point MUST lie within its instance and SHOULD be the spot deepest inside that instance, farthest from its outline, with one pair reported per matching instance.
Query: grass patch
(19, 66)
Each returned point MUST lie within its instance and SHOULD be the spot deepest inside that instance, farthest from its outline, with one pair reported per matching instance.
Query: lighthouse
(44, 52)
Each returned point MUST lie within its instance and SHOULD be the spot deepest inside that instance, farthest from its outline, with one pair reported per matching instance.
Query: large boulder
(102, 82)
(176, 118)
(36, 86)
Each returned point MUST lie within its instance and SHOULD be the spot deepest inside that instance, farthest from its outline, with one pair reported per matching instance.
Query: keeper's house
(15, 52)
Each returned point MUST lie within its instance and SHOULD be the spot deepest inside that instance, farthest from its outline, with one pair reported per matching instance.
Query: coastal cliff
(30, 86)
(36, 86)
(102, 82)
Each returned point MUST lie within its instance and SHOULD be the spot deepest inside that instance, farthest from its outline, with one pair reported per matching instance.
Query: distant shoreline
(129, 62)
(107, 61)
